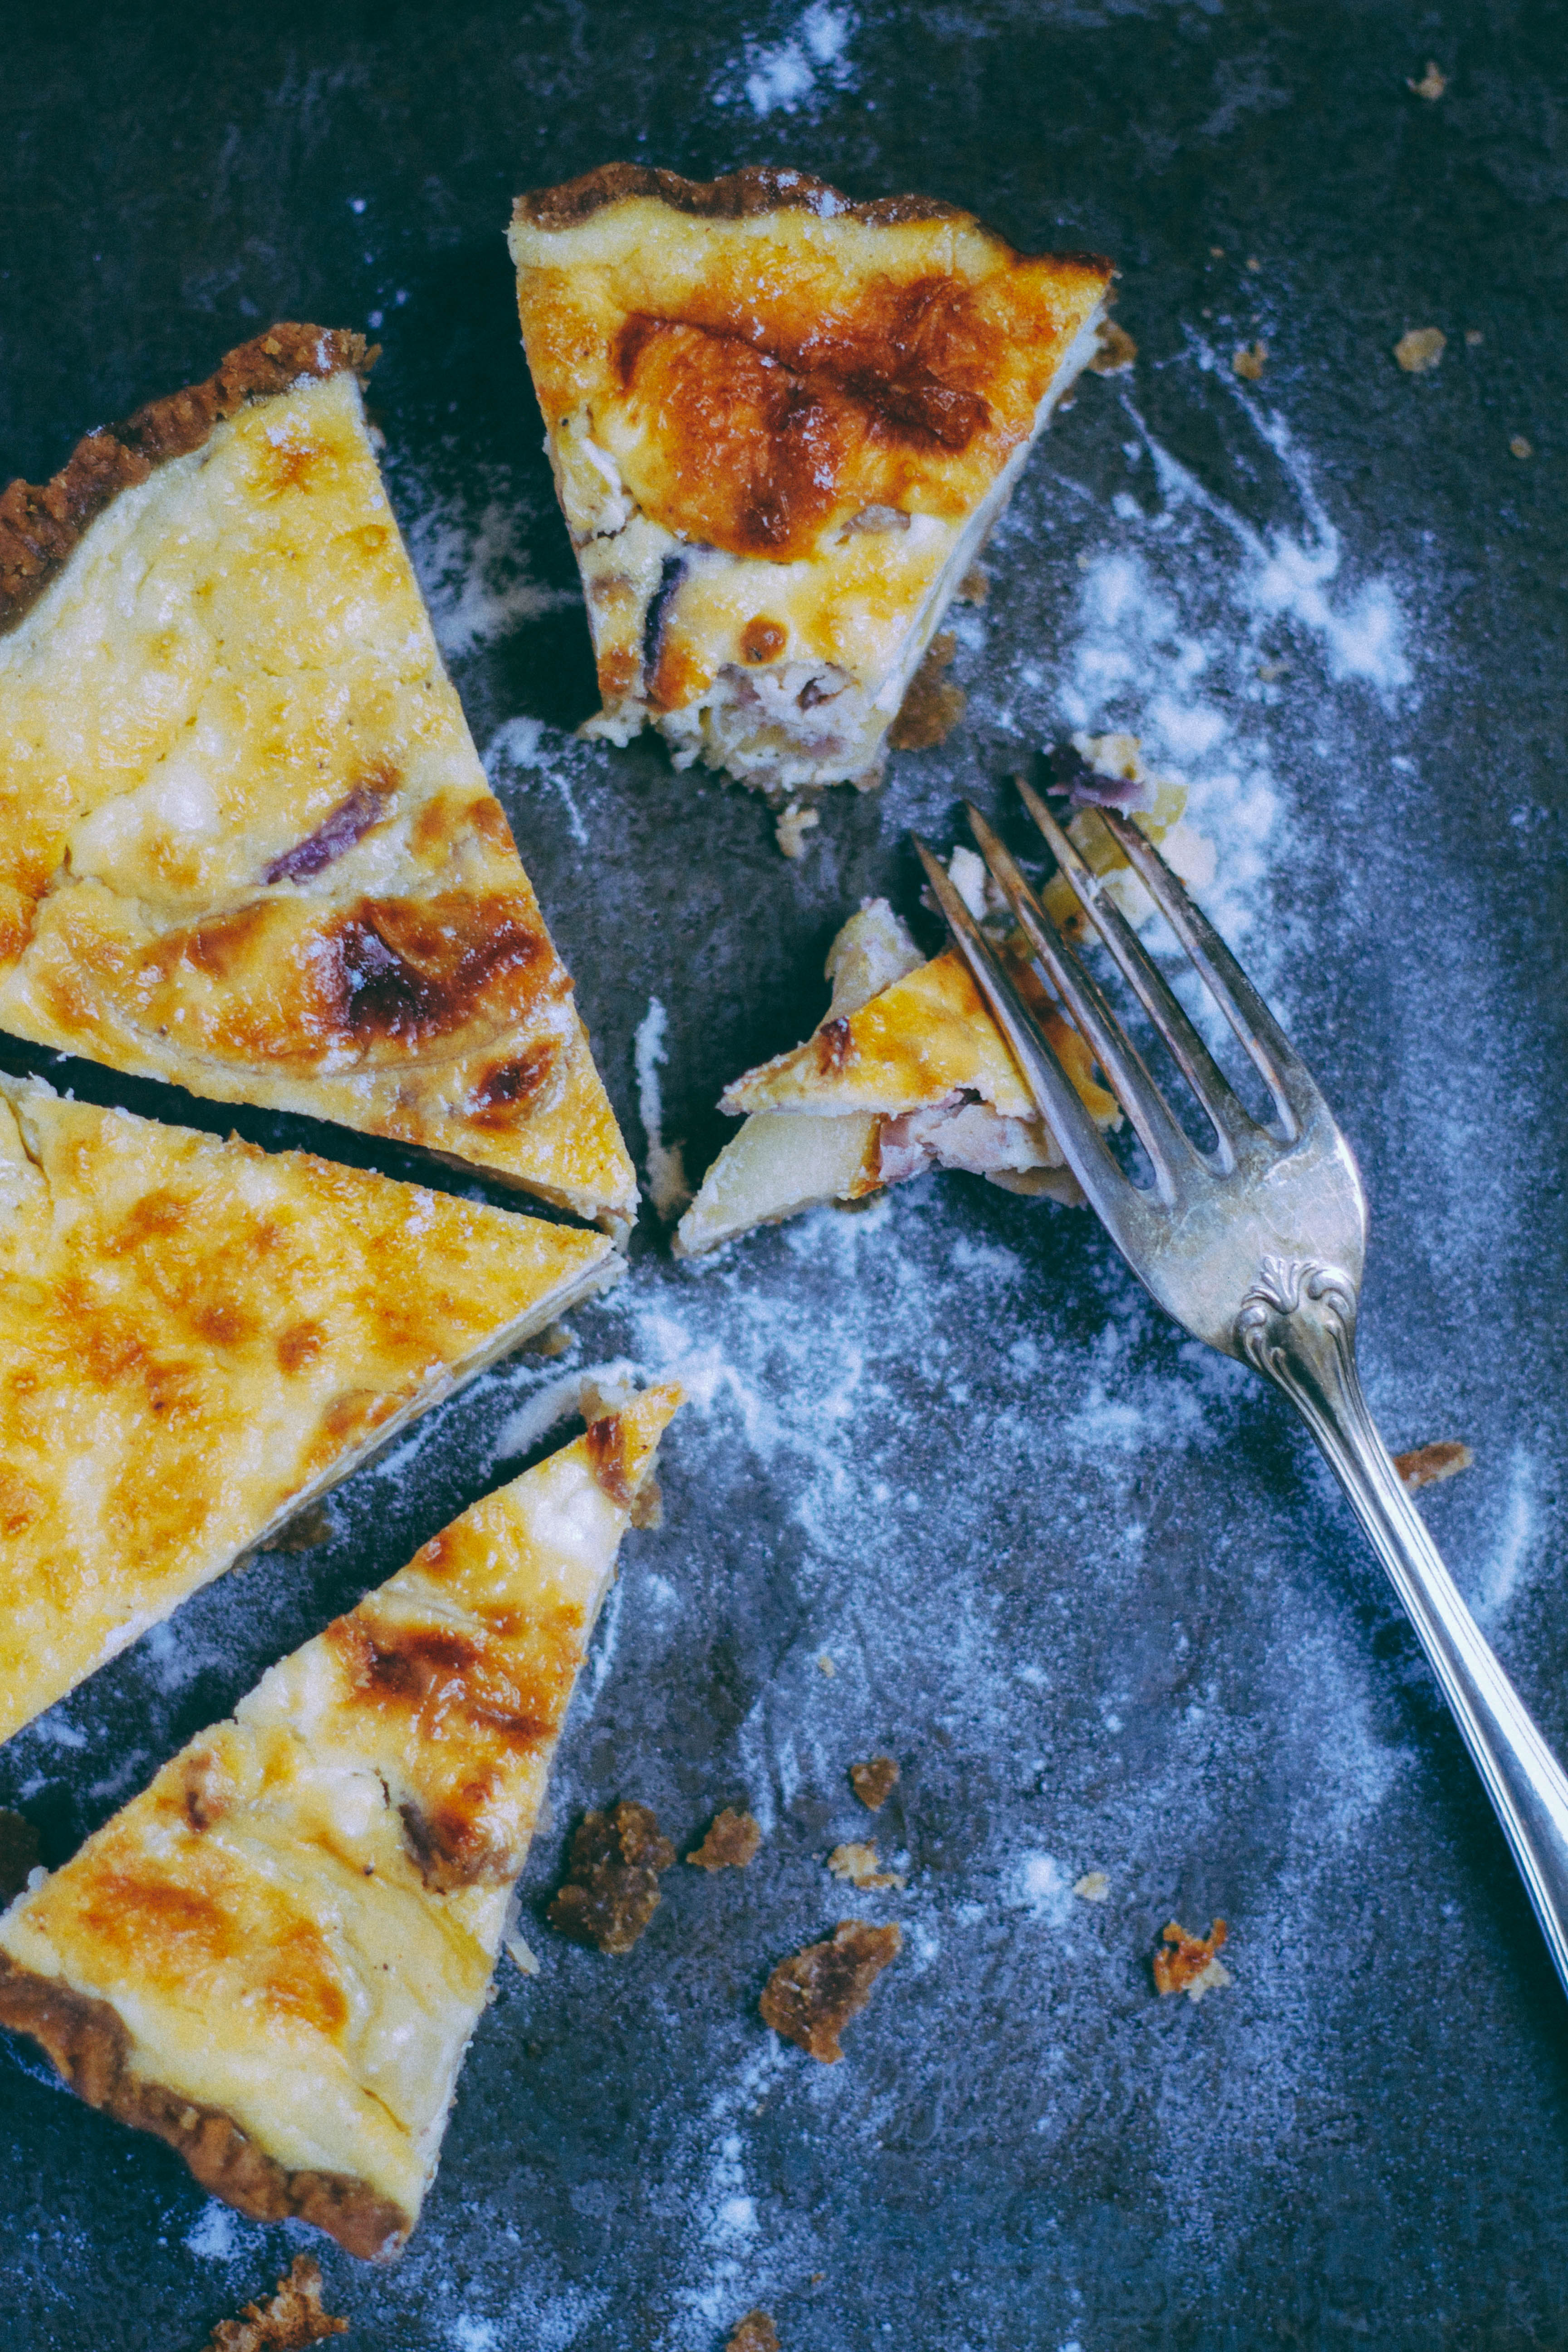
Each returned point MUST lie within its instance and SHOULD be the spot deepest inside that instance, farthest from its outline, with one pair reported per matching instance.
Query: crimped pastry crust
(247, 846)
(274, 1956)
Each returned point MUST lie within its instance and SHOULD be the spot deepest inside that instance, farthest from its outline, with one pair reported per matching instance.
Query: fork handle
(1297, 1328)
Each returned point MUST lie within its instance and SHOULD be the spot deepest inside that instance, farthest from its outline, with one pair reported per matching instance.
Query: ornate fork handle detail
(1296, 1327)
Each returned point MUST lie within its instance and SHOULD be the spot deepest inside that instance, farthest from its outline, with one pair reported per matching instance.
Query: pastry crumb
(874, 1781)
(305, 1531)
(290, 2317)
(811, 1997)
(553, 1340)
(1114, 349)
(976, 585)
(754, 2333)
(1520, 446)
(1249, 360)
(1253, 262)
(1094, 1887)
(1432, 84)
(520, 1954)
(1420, 348)
(1192, 1964)
(1426, 1466)
(794, 824)
(931, 707)
(18, 1853)
(859, 1865)
(730, 1844)
(611, 1889)
(1473, 336)
(824, 1665)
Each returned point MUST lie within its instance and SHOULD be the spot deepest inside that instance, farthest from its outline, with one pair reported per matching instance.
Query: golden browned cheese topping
(245, 842)
(288, 1935)
(777, 360)
(195, 1334)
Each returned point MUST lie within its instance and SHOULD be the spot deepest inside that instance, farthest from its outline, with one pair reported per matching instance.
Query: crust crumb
(792, 825)
(857, 1866)
(1094, 1887)
(1520, 446)
(1420, 348)
(874, 1781)
(307, 1530)
(811, 1997)
(1433, 82)
(754, 2333)
(611, 1889)
(1426, 1466)
(1249, 360)
(1114, 349)
(931, 707)
(976, 585)
(730, 1844)
(290, 2318)
(1192, 1964)
(18, 1853)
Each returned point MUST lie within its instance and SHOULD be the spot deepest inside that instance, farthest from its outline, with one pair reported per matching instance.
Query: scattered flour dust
(783, 76)
(521, 745)
(667, 1184)
(474, 569)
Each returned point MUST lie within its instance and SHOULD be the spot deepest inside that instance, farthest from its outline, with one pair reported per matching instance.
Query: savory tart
(245, 842)
(196, 1339)
(780, 425)
(274, 1958)
(906, 1070)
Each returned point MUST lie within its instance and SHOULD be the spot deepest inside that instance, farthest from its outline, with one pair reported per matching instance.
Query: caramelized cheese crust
(198, 1337)
(275, 1955)
(246, 843)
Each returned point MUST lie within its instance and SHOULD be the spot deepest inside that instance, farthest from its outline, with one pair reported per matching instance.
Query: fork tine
(1164, 1140)
(1115, 1199)
(1142, 974)
(1281, 1068)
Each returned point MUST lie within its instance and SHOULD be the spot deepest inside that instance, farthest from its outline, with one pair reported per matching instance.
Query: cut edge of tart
(274, 1958)
(200, 1340)
(782, 426)
(246, 844)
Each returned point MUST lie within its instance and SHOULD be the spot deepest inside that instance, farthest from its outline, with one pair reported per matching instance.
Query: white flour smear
(668, 1188)
(474, 568)
(806, 66)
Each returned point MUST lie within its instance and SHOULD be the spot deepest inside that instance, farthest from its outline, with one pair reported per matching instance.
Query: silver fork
(1256, 1244)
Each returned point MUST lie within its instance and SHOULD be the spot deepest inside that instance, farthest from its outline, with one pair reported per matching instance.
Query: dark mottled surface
(1091, 1589)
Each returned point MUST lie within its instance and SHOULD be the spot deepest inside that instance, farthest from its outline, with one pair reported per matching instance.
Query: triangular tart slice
(274, 1958)
(196, 1339)
(245, 842)
(782, 424)
(906, 1071)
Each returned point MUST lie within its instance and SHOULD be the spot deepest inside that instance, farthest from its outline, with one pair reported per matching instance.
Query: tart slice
(903, 1073)
(782, 424)
(274, 1958)
(196, 1339)
(245, 842)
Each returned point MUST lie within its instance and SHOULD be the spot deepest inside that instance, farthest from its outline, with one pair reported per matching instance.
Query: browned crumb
(304, 1531)
(1420, 348)
(18, 1853)
(1445, 1458)
(611, 1889)
(874, 1781)
(730, 1844)
(858, 1865)
(811, 1997)
(931, 707)
(1520, 446)
(291, 2318)
(755, 2333)
(976, 585)
(1114, 349)
(1248, 360)
(1192, 1964)
(1433, 82)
